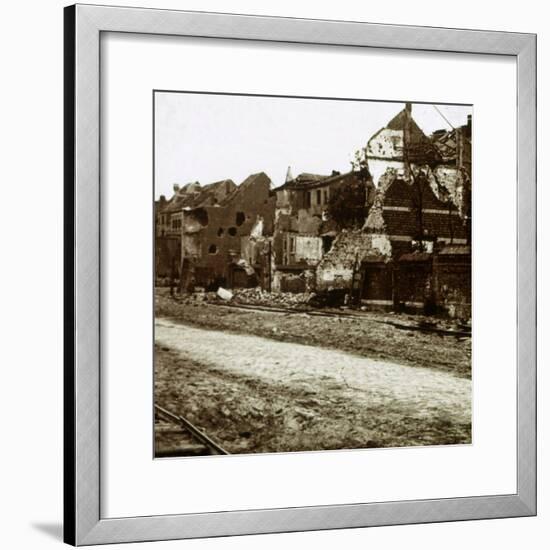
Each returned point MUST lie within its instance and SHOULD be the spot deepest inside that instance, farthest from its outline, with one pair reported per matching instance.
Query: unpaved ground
(255, 394)
(368, 335)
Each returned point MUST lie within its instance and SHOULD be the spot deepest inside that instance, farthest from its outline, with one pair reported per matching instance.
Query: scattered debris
(224, 294)
(257, 296)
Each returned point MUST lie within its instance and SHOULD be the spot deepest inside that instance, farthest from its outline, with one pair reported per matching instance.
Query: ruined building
(422, 211)
(401, 147)
(407, 246)
(218, 230)
(303, 231)
(169, 216)
(413, 251)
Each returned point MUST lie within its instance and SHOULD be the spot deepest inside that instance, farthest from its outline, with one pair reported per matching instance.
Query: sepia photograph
(312, 274)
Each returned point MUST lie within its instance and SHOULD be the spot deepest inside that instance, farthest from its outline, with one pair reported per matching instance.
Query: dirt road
(307, 392)
(368, 334)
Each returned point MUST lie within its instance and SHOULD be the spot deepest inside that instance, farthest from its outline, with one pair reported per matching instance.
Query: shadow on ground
(54, 530)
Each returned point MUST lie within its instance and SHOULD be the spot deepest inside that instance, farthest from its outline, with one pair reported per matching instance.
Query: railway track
(421, 327)
(175, 436)
(286, 311)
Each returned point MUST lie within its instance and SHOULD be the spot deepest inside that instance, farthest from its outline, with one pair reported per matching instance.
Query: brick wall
(453, 284)
(216, 243)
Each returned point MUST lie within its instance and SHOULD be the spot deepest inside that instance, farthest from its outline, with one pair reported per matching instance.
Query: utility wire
(443, 117)
(447, 121)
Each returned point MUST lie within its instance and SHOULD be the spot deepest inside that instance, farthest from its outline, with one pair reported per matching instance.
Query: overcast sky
(207, 137)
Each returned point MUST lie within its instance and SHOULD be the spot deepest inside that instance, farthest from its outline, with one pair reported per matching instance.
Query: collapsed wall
(349, 250)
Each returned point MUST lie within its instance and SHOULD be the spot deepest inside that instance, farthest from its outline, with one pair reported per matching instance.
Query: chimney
(469, 123)
(162, 199)
(408, 107)
(176, 187)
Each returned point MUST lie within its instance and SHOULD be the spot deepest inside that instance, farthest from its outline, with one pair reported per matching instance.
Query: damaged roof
(213, 193)
(446, 144)
(389, 141)
(399, 121)
(253, 179)
(307, 181)
(303, 180)
(192, 195)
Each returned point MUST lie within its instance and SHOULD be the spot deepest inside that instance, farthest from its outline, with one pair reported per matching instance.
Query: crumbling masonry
(412, 252)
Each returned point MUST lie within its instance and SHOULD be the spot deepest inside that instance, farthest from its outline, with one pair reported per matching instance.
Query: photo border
(82, 520)
(153, 226)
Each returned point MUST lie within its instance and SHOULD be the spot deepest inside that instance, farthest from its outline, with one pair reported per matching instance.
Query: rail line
(209, 445)
(348, 315)
(288, 311)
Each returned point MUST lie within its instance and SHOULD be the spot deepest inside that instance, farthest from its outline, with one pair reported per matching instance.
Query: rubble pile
(245, 296)
(257, 296)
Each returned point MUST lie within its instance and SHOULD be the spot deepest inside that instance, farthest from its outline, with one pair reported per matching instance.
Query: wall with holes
(214, 234)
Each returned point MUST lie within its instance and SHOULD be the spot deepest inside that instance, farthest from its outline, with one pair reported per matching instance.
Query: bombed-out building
(216, 230)
(303, 230)
(413, 250)
(444, 158)
(169, 216)
(422, 212)
(407, 246)
(407, 237)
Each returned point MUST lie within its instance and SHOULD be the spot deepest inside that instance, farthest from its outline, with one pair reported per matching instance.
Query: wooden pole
(269, 264)
(407, 140)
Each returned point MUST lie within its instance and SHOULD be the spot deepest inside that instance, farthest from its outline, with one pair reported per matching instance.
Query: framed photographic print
(300, 274)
